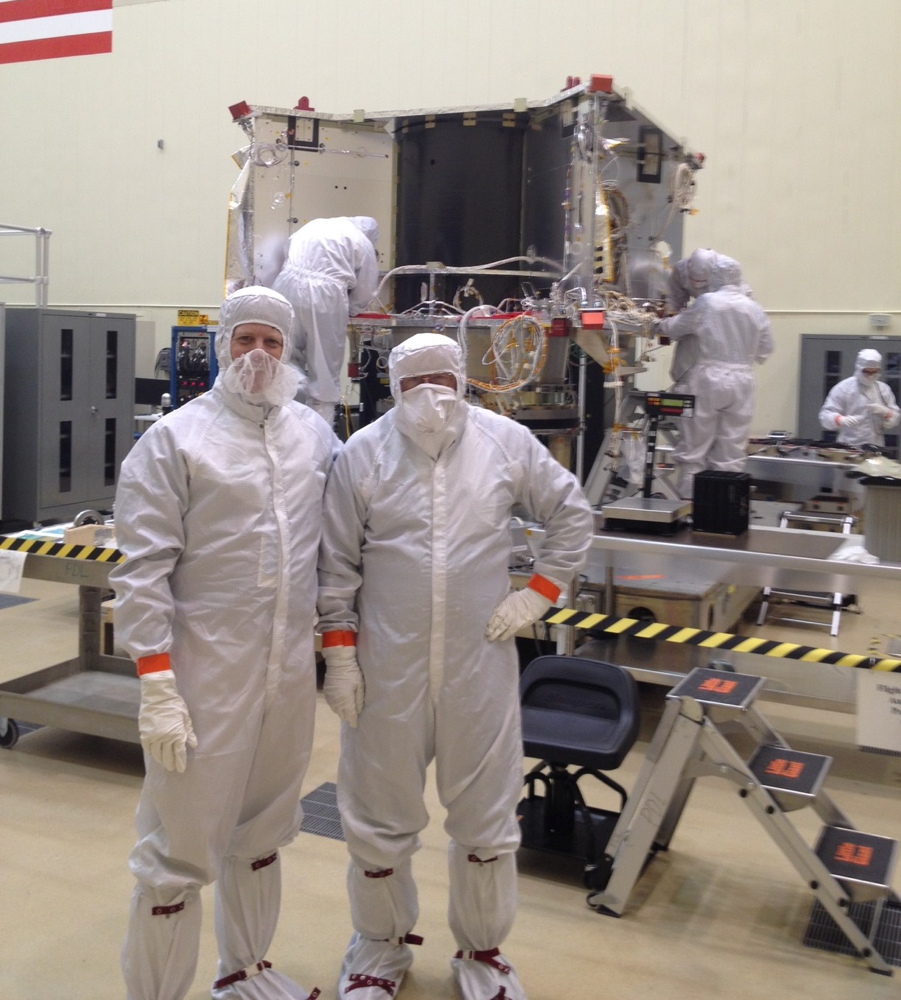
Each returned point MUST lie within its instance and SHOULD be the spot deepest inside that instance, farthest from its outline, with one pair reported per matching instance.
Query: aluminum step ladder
(690, 742)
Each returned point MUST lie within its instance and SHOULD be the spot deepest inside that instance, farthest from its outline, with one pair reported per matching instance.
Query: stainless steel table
(784, 557)
(92, 693)
(801, 475)
(764, 557)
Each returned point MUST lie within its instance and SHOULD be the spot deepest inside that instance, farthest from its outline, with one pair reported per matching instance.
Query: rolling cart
(92, 693)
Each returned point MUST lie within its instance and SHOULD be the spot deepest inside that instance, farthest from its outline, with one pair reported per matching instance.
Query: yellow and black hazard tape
(45, 547)
(593, 622)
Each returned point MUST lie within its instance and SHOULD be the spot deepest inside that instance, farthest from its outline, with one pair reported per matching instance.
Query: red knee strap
(406, 939)
(381, 873)
(264, 862)
(488, 957)
(167, 911)
(476, 860)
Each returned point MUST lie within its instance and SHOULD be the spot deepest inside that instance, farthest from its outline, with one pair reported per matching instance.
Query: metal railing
(41, 277)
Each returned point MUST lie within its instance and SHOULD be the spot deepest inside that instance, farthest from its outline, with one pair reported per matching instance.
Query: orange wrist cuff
(153, 664)
(339, 638)
(541, 585)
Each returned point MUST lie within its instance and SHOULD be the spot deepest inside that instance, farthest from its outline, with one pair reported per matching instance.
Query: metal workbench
(787, 558)
(92, 693)
(801, 475)
(763, 556)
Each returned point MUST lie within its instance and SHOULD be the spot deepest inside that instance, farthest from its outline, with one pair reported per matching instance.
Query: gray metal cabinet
(828, 358)
(69, 410)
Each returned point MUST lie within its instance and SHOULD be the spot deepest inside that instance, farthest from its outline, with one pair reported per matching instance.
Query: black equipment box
(721, 502)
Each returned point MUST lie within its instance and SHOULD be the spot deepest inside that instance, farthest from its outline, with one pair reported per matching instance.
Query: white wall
(794, 102)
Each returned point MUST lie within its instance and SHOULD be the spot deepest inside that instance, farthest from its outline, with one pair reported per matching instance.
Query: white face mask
(866, 379)
(260, 378)
(426, 408)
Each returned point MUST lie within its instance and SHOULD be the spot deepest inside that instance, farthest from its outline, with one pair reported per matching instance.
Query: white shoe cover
(268, 985)
(373, 970)
(482, 981)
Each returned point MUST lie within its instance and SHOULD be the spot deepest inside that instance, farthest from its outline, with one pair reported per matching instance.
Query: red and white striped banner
(51, 29)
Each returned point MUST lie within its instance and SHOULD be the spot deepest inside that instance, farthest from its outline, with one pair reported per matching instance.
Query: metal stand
(833, 600)
(602, 484)
(844, 866)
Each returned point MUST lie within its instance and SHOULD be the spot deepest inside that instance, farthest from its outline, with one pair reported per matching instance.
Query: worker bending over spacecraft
(331, 273)
(719, 337)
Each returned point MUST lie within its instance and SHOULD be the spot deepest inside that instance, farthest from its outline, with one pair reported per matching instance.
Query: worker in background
(418, 625)
(331, 273)
(689, 278)
(731, 333)
(218, 515)
(861, 408)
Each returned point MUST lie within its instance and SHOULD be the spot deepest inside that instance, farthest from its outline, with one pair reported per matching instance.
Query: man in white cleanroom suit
(861, 407)
(218, 514)
(689, 278)
(418, 627)
(732, 333)
(331, 273)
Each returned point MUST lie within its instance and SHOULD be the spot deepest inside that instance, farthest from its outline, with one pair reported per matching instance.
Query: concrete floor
(721, 914)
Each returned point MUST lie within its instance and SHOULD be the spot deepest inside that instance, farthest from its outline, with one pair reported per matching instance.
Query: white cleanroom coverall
(218, 515)
(861, 407)
(689, 278)
(732, 334)
(414, 560)
(331, 273)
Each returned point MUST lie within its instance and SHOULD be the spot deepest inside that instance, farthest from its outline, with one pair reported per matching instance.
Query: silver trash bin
(882, 517)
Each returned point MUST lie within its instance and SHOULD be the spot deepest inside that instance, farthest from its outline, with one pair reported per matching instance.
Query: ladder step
(792, 777)
(723, 693)
(862, 862)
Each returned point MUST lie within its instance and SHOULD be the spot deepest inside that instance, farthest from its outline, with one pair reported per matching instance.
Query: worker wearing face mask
(218, 515)
(861, 408)
(417, 626)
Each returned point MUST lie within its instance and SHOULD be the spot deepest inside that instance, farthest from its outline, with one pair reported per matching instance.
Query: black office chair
(581, 713)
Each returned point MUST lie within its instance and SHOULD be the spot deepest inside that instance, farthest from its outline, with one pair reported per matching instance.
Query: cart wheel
(11, 736)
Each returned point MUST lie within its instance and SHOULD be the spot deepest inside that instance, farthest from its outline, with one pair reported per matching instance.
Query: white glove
(853, 421)
(879, 409)
(343, 686)
(163, 721)
(516, 611)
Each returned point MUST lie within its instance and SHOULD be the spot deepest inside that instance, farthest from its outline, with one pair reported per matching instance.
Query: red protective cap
(600, 84)
(303, 105)
(592, 319)
(239, 110)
